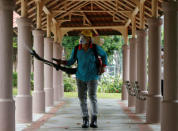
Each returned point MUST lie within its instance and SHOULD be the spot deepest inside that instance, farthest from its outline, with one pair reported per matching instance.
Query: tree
(111, 43)
(69, 42)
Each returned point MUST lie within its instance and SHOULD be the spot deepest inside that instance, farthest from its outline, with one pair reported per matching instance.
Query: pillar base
(7, 111)
(49, 97)
(38, 102)
(169, 115)
(23, 108)
(140, 106)
(153, 108)
(131, 101)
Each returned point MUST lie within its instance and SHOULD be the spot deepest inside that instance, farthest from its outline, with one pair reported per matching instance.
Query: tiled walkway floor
(113, 116)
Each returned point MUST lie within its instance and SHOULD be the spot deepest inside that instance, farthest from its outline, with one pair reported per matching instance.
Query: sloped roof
(95, 13)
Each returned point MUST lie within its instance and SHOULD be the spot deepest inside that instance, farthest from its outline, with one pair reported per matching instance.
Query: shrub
(69, 84)
(32, 81)
(109, 84)
(14, 79)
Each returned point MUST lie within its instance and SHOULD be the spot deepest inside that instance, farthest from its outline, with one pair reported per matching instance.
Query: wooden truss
(62, 16)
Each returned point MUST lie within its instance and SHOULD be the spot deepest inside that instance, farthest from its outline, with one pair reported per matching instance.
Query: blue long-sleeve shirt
(87, 69)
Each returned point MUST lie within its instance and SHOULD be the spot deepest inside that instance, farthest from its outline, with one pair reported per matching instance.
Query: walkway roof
(104, 17)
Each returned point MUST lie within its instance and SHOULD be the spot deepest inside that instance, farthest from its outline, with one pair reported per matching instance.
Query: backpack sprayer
(56, 66)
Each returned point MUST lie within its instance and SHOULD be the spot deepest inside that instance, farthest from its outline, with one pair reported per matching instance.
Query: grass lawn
(99, 95)
(74, 94)
(14, 91)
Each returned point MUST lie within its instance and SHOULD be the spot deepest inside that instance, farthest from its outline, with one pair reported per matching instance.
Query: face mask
(82, 40)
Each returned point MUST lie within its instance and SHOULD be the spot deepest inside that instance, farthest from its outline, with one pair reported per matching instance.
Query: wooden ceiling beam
(125, 35)
(54, 29)
(142, 21)
(39, 7)
(137, 2)
(150, 9)
(92, 27)
(133, 20)
(66, 7)
(30, 15)
(130, 3)
(49, 20)
(89, 22)
(140, 4)
(61, 5)
(17, 2)
(48, 12)
(154, 8)
(85, 19)
(38, 15)
(58, 20)
(89, 0)
(52, 3)
(137, 6)
(27, 4)
(102, 6)
(119, 11)
(23, 8)
(131, 15)
(30, 2)
(75, 6)
(113, 7)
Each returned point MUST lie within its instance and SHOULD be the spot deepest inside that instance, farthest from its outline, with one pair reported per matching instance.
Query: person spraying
(91, 62)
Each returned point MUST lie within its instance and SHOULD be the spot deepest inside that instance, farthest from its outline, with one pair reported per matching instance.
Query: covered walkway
(113, 116)
(42, 26)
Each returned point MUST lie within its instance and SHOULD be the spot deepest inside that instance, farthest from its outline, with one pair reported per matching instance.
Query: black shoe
(93, 123)
(85, 122)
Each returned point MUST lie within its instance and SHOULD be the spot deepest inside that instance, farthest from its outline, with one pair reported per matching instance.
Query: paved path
(113, 116)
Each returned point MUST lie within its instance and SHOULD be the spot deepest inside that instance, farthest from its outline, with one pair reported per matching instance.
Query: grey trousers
(91, 88)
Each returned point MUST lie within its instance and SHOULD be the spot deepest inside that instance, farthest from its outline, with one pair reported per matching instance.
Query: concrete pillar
(133, 69)
(48, 72)
(154, 71)
(61, 85)
(126, 55)
(24, 98)
(169, 107)
(61, 75)
(7, 104)
(141, 68)
(56, 84)
(38, 93)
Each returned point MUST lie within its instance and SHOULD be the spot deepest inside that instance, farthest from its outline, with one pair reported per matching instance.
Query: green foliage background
(111, 43)
(107, 84)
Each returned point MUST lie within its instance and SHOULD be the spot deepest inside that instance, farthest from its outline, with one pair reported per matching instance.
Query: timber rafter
(90, 14)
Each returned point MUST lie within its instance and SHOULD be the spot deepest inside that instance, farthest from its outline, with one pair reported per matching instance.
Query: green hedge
(69, 83)
(107, 84)
(14, 80)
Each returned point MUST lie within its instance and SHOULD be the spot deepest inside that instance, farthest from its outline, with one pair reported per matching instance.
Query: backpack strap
(75, 51)
(98, 60)
(94, 51)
